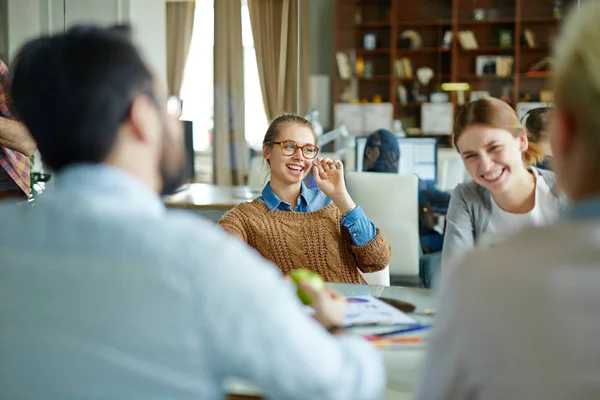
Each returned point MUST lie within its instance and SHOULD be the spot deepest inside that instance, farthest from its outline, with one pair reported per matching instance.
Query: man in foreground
(105, 294)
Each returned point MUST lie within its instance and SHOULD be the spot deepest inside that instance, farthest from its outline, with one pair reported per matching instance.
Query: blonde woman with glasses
(320, 229)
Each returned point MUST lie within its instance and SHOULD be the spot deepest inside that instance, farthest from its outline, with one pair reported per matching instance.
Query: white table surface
(208, 196)
(403, 362)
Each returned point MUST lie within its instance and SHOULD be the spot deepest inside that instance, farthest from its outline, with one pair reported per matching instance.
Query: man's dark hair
(74, 90)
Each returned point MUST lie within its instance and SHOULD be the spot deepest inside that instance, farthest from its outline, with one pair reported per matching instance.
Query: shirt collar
(102, 180)
(273, 202)
(587, 209)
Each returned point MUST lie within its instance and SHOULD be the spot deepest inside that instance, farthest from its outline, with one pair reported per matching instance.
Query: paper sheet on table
(370, 310)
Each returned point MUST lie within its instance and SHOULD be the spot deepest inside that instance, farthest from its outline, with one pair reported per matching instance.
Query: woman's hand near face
(329, 177)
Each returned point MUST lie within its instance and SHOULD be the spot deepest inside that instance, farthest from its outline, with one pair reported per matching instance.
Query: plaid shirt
(15, 163)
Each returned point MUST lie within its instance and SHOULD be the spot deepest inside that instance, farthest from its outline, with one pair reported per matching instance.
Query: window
(197, 87)
(255, 118)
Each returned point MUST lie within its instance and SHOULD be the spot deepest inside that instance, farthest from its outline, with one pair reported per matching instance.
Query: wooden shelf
(537, 75)
(389, 18)
(382, 51)
(488, 49)
(422, 50)
(537, 49)
(436, 77)
(375, 78)
(474, 77)
(540, 20)
(467, 22)
(367, 2)
(366, 25)
(416, 24)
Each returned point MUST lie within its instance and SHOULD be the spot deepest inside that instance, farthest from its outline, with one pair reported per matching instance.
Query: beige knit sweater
(316, 241)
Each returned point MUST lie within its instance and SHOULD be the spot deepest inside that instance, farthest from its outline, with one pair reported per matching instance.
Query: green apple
(309, 277)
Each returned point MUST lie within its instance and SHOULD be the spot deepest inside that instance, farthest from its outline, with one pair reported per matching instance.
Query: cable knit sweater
(316, 241)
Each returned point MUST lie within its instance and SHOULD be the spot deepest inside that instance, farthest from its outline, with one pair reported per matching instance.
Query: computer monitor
(190, 170)
(418, 155)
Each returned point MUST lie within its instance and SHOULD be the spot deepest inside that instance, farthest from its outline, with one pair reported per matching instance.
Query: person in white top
(521, 320)
(504, 224)
(507, 193)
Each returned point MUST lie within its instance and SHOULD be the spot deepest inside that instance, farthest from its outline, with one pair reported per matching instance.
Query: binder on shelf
(402, 94)
(529, 37)
(437, 118)
(467, 40)
(403, 68)
(447, 40)
(363, 119)
(343, 64)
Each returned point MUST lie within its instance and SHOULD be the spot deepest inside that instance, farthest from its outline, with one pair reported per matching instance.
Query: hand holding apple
(329, 305)
(309, 278)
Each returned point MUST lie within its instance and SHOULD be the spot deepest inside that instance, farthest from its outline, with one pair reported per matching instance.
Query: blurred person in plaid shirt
(16, 145)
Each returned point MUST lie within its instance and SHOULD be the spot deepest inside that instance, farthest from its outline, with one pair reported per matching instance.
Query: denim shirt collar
(275, 203)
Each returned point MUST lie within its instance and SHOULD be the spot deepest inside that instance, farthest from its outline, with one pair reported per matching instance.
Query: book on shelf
(402, 94)
(467, 40)
(343, 64)
(529, 38)
(501, 66)
(447, 40)
(399, 69)
(404, 67)
(408, 68)
(505, 38)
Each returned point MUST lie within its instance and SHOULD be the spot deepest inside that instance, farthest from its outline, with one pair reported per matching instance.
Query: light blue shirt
(361, 229)
(106, 294)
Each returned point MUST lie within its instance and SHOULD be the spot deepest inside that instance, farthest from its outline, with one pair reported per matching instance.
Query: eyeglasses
(289, 148)
(174, 106)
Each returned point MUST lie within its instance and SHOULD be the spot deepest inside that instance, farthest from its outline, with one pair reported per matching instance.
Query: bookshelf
(510, 36)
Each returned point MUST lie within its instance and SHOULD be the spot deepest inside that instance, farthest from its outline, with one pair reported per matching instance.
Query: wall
(148, 19)
(321, 36)
(30, 18)
(320, 14)
(24, 23)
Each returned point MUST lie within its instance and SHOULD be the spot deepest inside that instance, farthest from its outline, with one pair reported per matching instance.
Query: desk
(403, 363)
(210, 201)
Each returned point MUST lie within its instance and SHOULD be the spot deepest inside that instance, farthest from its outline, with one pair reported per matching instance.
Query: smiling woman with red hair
(507, 192)
(521, 320)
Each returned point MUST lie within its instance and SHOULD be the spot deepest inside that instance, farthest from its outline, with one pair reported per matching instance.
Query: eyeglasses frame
(298, 147)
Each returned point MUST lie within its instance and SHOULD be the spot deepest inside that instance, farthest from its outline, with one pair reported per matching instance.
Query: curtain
(230, 149)
(275, 32)
(180, 24)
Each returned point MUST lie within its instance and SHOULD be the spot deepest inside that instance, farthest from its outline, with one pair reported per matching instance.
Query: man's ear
(143, 118)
